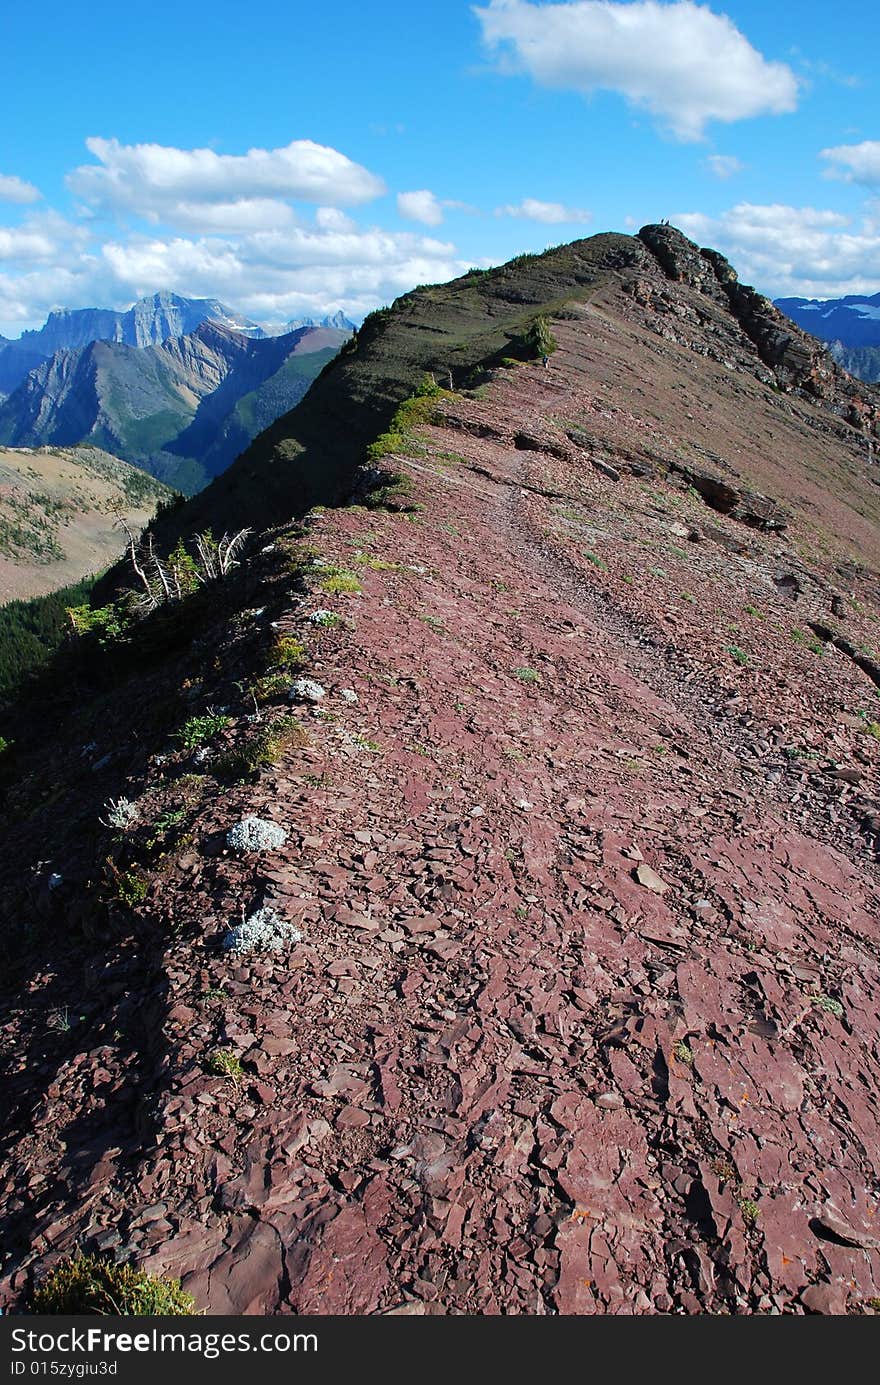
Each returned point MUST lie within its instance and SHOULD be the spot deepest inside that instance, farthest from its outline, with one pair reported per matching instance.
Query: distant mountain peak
(853, 320)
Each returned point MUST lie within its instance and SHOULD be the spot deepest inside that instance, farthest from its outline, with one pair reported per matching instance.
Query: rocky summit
(470, 904)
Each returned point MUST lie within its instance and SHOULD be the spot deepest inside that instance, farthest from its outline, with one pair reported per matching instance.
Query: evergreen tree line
(31, 631)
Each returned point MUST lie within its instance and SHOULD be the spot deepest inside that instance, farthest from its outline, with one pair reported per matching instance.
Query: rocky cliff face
(563, 737)
(149, 322)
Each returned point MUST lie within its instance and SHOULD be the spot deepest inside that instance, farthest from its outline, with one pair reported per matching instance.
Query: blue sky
(289, 158)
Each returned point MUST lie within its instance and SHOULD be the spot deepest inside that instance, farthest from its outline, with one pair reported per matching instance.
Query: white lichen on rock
(306, 690)
(265, 931)
(348, 695)
(255, 834)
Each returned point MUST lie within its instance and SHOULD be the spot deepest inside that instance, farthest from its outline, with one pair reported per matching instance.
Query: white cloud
(680, 61)
(14, 189)
(854, 163)
(271, 274)
(157, 181)
(724, 165)
(332, 219)
(420, 206)
(246, 214)
(44, 236)
(788, 251)
(550, 213)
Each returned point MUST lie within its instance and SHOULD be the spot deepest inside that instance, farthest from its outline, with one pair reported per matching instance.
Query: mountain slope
(162, 407)
(582, 844)
(58, 515)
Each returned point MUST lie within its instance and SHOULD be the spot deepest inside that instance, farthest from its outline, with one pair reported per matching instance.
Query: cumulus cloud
(14, 189)
(271, 276)
(42, 237)
(724, 165)
(680, 61)
(420, 206)
(789, 251)
(854, 163)
(157, 181)
(550, 213)
(269, 273)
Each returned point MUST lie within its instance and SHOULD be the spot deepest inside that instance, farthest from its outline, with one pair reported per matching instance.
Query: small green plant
(131, 888)
(89, 1285)
(269, 686)
(5, 744)
(683, 1053)
(265, 747)
(738, 655)
(339, 581)
(872, 728)
(750, 1210)
(800, 637)
(527, 675)
(163, 827)
(753, 612)
(689, 597)
(223, 1062)
(362, 743)
(828, 1004)
(214, 995)
(433, 621)
(200, 730)
(287, 652)
(595, 560)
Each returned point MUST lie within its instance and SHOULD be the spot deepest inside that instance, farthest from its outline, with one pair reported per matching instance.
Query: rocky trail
(583, 1016)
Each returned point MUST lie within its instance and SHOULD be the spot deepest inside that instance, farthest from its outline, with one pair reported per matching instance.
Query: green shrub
(88, 1285)
(131, 888)
(738, 655)
(270, 685)
(223, 1062)
(107, 622)
(199, 730)
(287, 652)
(527, 675)
(539, 340)
(828, 1004)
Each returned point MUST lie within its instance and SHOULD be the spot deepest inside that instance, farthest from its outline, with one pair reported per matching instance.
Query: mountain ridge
(556, 740)
(462, 329)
